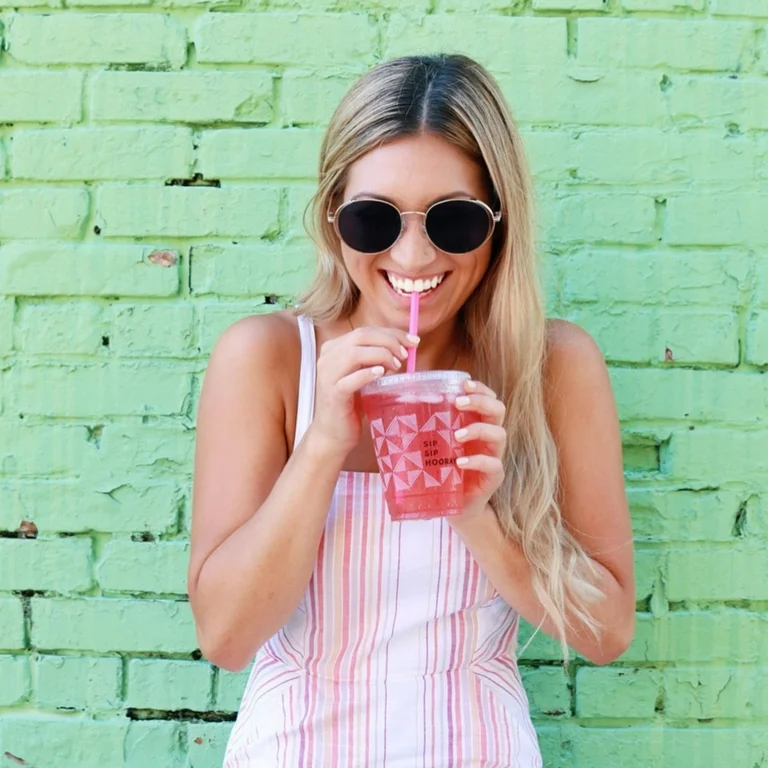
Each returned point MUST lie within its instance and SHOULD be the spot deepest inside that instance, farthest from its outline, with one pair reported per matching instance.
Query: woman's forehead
(415, 171)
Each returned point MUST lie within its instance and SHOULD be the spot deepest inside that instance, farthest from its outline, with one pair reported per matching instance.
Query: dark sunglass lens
(458, 226)
(369, 226)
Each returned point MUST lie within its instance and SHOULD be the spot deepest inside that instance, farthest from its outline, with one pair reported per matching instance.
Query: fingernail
(403, 352)
(397, 362)
(377, 370)
(462, 401)
(460, 434)
(462, 461)
(413, 339)
(471, 385)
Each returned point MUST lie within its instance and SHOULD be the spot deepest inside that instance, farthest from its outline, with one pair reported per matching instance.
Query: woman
(393, 644)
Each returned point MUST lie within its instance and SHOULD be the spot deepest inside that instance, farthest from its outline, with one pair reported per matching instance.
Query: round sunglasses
(454, 226)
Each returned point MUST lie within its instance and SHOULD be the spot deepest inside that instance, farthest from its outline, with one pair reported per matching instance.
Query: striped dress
(400, 654)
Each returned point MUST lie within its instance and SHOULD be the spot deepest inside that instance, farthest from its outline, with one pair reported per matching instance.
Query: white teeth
(405, 285)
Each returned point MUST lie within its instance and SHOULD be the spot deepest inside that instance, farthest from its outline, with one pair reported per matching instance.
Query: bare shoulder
(257, 339)
(574, 368)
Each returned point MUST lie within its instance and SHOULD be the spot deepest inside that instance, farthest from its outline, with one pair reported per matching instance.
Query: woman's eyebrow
(460, 193)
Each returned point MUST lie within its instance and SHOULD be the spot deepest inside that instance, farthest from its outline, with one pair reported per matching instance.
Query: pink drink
(413, 417)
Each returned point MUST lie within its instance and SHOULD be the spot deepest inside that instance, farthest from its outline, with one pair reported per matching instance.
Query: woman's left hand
(484, 440)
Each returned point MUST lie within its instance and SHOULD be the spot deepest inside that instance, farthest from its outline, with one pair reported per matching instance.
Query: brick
(757, 339)
(207, 744)
(718, 455)
(661, 43)
(7, 316)
(547, 690)
(41, 97)
(11, 624)
(106, 3)
(327, 40)
(663, 514)
(57, 565)
(669, 6)
(667, 747)
(617, 693)
(263, 153)
(102, 153)
(709, 396)
(716, 573)
(624, 334)
(50, 269)
(716, 635)
(310, 99)
(108, 625)
(77, 682)
(612, 157)
(184, 97)
(144, 210)
(551, 154)
(695, 693)
(299, 197)
(169, 685)
(155, 743)
(61, 327)
(150, 567)
(66, 209)
(162, 330)
(699, 337)
(570, 5)
(215, 318)
(230, 688)
(3, 161)
(649, 564)
(502, 43)
(482, 6)
(749, 8)
(115, 389)
(584, 96)
(739, 222)
(14, 672)
(709, 101)
(113, 38)
(78, 507)
(597, 218)
(55, 740)
(251, 270)
(75, 450)
(608, 275)
(31, 4)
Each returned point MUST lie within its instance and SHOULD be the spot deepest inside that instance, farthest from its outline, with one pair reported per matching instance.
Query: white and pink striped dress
(401, 654)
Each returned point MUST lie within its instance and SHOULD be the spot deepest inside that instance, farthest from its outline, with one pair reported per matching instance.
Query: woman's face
(413, 173)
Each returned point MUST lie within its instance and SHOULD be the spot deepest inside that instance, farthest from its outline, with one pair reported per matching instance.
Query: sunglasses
(453, 226)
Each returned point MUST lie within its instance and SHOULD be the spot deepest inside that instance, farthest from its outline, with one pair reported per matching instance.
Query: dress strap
(306, 401)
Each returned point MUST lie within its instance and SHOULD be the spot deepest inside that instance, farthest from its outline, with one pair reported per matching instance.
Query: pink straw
(413, 329)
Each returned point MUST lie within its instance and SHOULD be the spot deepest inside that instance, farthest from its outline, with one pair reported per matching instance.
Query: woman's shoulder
(258, 347)
(572, 357)
(259, 336)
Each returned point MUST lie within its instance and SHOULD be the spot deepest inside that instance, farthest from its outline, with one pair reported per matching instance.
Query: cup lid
(418, 377)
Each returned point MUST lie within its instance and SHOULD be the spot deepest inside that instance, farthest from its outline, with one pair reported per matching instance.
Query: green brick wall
(155, 159)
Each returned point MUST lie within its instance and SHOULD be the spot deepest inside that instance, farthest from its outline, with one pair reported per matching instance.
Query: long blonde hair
(452, 96)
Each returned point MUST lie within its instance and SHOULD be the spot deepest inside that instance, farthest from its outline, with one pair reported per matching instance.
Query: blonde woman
(381, 643)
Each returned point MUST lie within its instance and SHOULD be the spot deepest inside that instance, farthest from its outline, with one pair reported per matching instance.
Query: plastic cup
(413, 417)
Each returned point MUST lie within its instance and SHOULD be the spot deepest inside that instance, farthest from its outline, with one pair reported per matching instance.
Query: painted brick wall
(155, 158)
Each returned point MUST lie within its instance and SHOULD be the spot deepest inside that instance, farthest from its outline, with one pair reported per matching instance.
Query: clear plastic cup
(413, 417)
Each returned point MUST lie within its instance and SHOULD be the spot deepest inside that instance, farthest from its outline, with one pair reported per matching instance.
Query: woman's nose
(413, 251)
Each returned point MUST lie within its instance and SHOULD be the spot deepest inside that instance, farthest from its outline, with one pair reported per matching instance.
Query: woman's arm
(257, 516)
(582, 417)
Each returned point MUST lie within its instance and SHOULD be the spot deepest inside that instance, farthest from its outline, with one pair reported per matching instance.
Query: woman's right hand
(346, 364)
